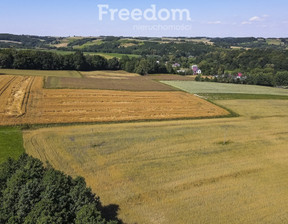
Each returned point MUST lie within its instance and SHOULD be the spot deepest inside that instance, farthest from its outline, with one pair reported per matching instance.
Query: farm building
(196, 70)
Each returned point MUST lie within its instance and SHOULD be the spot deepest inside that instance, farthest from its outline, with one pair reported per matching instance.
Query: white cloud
(255, 18)
(214, 22)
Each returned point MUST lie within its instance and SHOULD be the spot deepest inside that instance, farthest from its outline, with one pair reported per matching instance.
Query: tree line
(260, 66)
(42, 60)
(31, 193)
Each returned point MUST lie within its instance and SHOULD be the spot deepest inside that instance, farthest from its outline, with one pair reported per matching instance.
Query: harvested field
(24, 101)
(115, 80)
(228, 171)
(107, 83)
(14, 95)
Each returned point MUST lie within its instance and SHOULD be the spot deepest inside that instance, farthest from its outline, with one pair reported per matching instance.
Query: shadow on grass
(110, 213)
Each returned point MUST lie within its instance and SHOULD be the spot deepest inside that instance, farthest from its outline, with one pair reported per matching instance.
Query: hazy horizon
(137, 19)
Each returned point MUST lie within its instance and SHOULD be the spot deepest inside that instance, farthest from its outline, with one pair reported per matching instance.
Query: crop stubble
(229, 170)
(24, 101)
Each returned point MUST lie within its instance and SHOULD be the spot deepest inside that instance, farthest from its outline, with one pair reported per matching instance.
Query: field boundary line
(232, 113)
(27, 126)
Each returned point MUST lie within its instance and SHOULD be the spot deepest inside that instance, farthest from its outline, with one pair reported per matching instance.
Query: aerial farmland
(156, 148)
(25, 101)
(148, 130)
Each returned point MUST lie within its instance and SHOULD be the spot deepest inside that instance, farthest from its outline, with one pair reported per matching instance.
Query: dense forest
(31, 193)
(261, 64)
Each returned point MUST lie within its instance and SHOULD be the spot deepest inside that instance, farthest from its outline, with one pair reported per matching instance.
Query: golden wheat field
(24, 101)
(228, 170)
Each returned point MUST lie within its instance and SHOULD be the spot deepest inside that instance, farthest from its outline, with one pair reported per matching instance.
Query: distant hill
(111, 44)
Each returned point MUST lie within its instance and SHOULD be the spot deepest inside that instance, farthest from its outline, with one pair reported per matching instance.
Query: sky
(153, 18)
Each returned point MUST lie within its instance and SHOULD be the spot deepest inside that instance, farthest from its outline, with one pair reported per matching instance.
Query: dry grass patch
(171, 77)
(109, 74)
(178, 171)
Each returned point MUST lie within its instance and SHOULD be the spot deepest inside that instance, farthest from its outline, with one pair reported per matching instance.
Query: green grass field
(273, 42)
(231, 170)
(105, 55)
(208, 87)
(87, 44)
(11, 143)
(116, 55)
(56, 73)
(235, 96)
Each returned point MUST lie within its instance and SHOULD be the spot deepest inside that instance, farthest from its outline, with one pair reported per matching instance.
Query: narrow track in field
(24, 104)
(6, 85)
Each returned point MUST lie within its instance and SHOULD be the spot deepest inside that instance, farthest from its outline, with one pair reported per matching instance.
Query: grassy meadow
(11, 143)
(229, 96)
(211, 87)
(228, 170)
(112, 55)
(105, 55)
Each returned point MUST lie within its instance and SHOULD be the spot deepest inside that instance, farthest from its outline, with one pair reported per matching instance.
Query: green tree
(282, 78)
(79, 60)
(88, 214)
(113, 64)
(33, 194)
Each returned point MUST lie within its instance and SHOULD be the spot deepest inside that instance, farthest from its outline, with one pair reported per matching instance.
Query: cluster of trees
(260, 77)
(222, 60)
(261, 66)
(31, 193)
(144, 65)
(250, 42)
(25, 41)
(32, 59)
